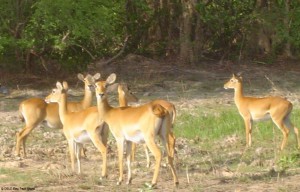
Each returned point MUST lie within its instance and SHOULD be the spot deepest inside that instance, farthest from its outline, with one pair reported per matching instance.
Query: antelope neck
(103, 106)
(122, 101)
(238, 93)
(87, 98)
(62, 107)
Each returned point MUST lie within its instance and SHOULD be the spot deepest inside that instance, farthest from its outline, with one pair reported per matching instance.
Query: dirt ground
(47, 167)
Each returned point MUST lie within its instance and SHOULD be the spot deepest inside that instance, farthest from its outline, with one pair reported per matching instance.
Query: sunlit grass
(213, 125)
(208, 125)
(210, 128)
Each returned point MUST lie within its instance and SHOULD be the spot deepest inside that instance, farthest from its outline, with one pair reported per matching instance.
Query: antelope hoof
(103, 177)
(17, 154)
(129, 181)
(150, 186)
(24, 156)
(148, 165)
(119, 182)
(176, 183)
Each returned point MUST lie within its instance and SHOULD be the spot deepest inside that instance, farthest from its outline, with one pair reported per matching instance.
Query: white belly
(260, 117)
(82, 138)
(138, 137)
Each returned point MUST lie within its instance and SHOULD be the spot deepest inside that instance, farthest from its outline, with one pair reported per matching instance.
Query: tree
(14, 16)
(70, 32)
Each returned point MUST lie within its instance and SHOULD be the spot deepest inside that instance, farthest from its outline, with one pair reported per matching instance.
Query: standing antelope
(123, 102)
(252, 109)
(35, 110)
(125, 95)
(81, 127)
(137, 124)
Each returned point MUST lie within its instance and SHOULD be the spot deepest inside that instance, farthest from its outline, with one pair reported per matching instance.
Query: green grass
(208, 124)
(211, 127)
(21, 178)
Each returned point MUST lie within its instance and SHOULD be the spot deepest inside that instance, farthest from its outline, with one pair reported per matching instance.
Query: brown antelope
(36, 110)
(137, 124)
(125, 95)
(123, 102)
(252, 109)
(80, 127)
(83, 126)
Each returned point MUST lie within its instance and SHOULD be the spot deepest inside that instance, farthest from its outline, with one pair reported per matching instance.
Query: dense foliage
(68, 34)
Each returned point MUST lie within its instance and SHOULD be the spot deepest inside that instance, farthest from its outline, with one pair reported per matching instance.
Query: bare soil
(47, 167)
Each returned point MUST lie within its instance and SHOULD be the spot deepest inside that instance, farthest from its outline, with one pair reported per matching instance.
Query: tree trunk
(264, 40)
(198, 39)
(134, 31)
(172, 48)
(287, 50)
(164, 18)
(186, 51)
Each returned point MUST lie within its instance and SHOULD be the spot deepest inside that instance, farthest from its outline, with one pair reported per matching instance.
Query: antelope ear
(97, 76)
(80, 76)
(111, 79)
(112, 88)
(59, 85)
(65, 85)
(239, 74)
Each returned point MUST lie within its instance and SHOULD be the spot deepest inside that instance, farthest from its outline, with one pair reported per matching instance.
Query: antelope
(36, 110)
(252, 109)
(137, 124)
(125, 95)
(123, 102)
(80, 127)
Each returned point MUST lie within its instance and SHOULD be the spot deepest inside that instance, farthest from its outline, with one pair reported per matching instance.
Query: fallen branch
(117, 55)
(271, 82)
(86, 50)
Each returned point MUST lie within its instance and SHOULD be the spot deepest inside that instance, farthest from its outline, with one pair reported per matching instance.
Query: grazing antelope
(252, 109)
(137, 124)
(36, 110)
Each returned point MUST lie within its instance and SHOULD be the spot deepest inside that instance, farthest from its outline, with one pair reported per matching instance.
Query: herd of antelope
(130, 125)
